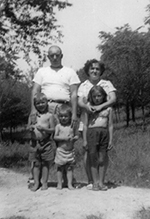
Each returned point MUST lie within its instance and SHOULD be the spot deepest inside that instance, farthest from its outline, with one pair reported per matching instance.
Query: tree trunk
(143, 118)
(127, 113)
(133, 111)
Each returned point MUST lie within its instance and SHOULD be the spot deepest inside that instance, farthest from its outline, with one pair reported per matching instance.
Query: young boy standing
(41, 153)
(65, 138)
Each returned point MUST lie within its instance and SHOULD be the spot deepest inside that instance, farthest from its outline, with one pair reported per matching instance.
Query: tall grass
(128, 160)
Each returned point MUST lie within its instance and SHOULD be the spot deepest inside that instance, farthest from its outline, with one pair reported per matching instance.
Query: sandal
(95, 187)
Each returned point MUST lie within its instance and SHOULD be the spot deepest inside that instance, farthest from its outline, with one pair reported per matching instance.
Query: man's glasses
(54, 55)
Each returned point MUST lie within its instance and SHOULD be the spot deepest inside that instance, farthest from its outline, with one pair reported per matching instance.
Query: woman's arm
(110, 129)
(83, 103)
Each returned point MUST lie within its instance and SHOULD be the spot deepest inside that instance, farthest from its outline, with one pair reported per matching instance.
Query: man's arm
(36, 89)
(73, 99)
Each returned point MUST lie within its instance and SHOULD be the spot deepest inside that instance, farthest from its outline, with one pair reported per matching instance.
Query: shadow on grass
(112, 185)
(15, 217)
(77, 185)
(94, 216)
(143, 214)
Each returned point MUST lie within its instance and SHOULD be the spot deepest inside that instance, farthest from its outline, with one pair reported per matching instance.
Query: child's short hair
(39, 97)
(93, 90)
(65, 108)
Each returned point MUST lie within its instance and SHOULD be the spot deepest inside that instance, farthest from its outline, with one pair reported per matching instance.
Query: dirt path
(17, 200)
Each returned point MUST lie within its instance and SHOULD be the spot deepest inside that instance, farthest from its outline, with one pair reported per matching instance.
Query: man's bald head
(54, 49)
(55, 56)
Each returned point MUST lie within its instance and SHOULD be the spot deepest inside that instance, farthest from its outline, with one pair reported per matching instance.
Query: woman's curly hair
(89, 63)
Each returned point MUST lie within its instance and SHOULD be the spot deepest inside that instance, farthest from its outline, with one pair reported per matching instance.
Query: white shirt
(56, 85)
(85, 87)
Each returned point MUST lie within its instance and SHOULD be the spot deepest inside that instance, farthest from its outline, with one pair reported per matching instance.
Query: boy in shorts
(65, 138)
(41, 152)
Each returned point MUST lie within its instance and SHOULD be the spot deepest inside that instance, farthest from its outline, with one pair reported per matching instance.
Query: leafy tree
(126, 54)
(28, 25)
(15, 104)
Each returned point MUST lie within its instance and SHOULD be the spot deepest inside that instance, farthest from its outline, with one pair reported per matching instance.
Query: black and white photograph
(74, 109)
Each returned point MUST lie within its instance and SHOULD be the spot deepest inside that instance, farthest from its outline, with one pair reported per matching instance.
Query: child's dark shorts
(44, 151)
(98, 139)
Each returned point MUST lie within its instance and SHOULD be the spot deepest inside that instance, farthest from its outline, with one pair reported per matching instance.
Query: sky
(82, 22)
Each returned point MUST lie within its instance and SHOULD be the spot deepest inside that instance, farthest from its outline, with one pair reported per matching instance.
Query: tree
(15, 104)
(126, 54)
(28, 25)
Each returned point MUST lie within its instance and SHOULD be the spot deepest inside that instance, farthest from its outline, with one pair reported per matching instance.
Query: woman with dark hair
(94, 70)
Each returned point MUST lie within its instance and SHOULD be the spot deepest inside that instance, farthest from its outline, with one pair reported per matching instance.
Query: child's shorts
(64, 157)
(98, 139)
(44, 151)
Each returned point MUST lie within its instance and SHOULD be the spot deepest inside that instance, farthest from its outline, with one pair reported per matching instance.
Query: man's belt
(58, 101)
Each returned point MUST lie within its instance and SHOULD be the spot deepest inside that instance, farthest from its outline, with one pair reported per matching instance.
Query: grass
(129, 159)
(15, 217)
(94, 217)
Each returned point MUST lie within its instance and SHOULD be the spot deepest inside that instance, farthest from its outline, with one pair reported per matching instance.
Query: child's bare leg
(70, 177)
(59, 177)
(94, 168)
(88, 167)
(36, 174)
(103, 159)
(45, 175)
(64, 177)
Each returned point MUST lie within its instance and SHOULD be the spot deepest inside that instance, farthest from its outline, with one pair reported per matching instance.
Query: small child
(65, 138)
(41, 152)
(97, 137)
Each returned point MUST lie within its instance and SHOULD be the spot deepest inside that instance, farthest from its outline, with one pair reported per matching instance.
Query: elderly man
(57, 82)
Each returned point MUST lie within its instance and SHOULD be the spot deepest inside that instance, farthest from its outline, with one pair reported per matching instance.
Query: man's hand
(40, 128)
(85, 146)
(74, 138)
(33, 118)
(110, 146)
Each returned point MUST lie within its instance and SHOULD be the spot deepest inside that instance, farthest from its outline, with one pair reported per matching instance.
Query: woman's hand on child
(97, 108)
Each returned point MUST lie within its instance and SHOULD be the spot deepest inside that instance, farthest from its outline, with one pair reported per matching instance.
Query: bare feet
(34, 188)
(70, 187)
(59, 186)
(44, 186)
